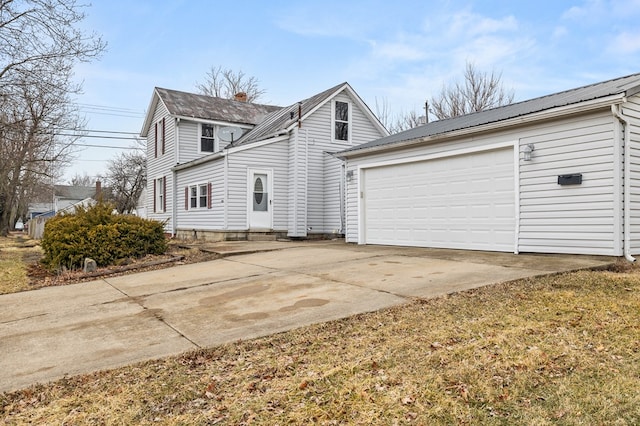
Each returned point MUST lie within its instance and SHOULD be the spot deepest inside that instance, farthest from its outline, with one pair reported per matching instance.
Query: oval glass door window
(259, 195)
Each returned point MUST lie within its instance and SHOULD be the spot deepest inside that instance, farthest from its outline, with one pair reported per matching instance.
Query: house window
(199, 196)
(203, 195)
(207, 138)
(193, 197)
(341, 121)
(159, 195)
(160, 137)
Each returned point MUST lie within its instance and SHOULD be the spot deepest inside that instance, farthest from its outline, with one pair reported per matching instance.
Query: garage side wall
(573, 218)
(632, 110)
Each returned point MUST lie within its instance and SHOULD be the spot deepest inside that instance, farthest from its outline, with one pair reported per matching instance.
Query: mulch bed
(177, 254)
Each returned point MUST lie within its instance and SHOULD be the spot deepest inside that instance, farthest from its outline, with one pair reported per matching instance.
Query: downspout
(615, 109)
(174, 204)
(225, 201)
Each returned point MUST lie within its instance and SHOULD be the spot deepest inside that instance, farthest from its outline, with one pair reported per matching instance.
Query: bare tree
(82, 180)
(480, 91)
(226, 83)
(40, 43)
(126, 178)
(398, 122)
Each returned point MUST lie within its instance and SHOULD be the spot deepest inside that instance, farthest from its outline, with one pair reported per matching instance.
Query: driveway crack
(155, 313)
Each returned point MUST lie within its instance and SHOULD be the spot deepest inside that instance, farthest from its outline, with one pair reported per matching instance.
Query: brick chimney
(240, 97)
(98, 190)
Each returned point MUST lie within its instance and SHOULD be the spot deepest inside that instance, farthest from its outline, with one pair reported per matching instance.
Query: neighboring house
(65, 199)
(67, 196)
(224, 169)
(556, 174)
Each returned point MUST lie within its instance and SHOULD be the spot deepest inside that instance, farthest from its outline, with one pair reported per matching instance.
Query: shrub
(97, 233)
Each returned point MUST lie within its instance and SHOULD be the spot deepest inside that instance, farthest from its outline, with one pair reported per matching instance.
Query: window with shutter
(155, 143)
(163, 135)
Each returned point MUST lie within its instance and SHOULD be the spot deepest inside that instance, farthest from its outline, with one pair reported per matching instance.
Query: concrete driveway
(260, 288)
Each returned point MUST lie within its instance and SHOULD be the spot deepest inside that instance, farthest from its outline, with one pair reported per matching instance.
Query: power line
(98, 137)
(97, 131)
(108, 146)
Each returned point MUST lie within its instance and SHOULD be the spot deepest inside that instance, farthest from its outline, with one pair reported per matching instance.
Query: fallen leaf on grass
(408, 400)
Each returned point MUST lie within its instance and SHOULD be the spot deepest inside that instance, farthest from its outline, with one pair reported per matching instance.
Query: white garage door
(465, 201)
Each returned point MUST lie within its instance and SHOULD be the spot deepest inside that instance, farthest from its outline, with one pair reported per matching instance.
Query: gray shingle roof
(623, 85)
(281, 119)
(71, 192)
(210, 108)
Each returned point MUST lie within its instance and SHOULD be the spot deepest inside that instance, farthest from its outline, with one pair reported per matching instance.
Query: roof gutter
(525, 119)
(201, 160)
(617, 112)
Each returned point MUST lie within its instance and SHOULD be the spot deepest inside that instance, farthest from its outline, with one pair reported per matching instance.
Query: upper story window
(207, 138)
(341, 121)
(160, 137)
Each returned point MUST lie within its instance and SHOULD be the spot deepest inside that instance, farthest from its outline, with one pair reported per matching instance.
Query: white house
(225, 169)
(556, 174)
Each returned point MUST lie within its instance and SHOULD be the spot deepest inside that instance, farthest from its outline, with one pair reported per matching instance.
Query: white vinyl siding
(272, 156)
(160, 166)
(297, 184)
(632, 109)
(198, 219)
(324, 171)
(188, 141)
(575, 219)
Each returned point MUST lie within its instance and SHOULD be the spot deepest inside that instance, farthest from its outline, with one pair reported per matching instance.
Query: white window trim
(206, 193)
(349, 122)
(215, 139)
(159, 183)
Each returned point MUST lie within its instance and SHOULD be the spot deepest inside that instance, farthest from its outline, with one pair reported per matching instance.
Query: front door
(260, 201)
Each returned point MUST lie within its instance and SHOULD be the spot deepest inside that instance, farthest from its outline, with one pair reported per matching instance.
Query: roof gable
(281, 121)
(627, 86)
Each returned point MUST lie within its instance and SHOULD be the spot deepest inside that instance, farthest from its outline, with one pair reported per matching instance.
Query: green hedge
(98, 233)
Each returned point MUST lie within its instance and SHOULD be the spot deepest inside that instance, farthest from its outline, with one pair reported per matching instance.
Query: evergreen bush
(98, 233)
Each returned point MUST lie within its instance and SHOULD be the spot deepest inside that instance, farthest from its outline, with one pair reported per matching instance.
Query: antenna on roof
(229, 133)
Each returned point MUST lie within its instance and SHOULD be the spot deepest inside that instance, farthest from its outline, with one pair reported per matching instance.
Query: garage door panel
(454, 202)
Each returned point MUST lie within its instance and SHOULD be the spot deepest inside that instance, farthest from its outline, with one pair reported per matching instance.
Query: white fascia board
(201, 160)
(150, 112)
(317, 107)
(436, 155)
(525, 119)
(256, 144)
(363, 106)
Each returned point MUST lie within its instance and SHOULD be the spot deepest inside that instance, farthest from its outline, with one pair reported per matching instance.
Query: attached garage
(464, 201)
(556, 174)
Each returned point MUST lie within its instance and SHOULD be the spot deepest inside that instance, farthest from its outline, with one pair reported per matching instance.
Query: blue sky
(400, 52)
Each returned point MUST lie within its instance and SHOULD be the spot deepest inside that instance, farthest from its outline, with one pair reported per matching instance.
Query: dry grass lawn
(15, 251)
(557, 350)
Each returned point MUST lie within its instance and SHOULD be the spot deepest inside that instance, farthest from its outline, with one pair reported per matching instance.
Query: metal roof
(280, 120)
(623, 85)
(186, 104)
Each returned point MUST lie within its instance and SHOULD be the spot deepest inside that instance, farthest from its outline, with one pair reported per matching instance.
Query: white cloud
(472, 24)
(626, 43)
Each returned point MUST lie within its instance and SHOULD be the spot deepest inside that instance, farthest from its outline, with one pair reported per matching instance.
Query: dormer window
(207, 138)
(341, 121)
